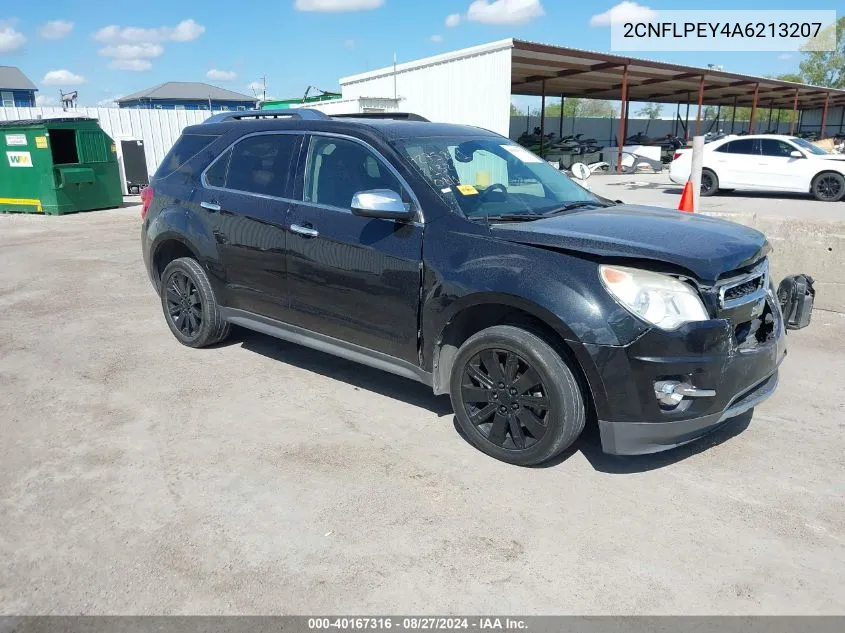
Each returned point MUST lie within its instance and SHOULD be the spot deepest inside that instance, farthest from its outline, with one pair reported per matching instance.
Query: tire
(186, 291)
(712, 186)
(828, 186)
(545, 410)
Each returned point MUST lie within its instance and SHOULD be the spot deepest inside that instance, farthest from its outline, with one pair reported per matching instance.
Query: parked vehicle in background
(452, 256)
(765, 163)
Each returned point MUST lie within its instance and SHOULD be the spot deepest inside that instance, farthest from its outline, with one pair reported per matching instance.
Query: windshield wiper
(575, 205)
(514, 217)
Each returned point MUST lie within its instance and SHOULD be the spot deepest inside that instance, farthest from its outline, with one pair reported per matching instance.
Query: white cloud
(453, 20)
(138, 65)
(436, 38)
(623, 12)
(255, 86)
(109, 102)
(349, 43)
(131, 47)
(132, 51)
(505, 11)
(55, 29)
(44, 101)
(785, 56)
(221, 75)
(337, 6)
(62, 78)
(10, 39)
(185, 31)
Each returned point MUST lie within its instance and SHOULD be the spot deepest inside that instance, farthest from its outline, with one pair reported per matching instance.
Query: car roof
(387, 129)
(778, 137)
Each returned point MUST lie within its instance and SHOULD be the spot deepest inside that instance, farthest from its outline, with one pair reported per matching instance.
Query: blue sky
(116, 47)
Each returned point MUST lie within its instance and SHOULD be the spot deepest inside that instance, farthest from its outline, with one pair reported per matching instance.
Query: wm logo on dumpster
(19, 159)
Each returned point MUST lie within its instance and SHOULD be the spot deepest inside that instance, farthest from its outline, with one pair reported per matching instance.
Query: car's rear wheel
(709, 183)
(190, 307)
(514, 397)
(828, 187)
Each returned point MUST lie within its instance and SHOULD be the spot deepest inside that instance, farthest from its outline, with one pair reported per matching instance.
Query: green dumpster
(57, 166)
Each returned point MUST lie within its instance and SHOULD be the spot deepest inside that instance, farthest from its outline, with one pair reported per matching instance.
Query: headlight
(659, 299)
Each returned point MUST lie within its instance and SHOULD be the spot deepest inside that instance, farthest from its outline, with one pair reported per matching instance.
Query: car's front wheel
(190, 307)
(514, 397)
(828, 187)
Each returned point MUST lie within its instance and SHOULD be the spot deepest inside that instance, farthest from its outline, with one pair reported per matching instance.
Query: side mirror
(580, 171)
(381, 203)
(796, 154)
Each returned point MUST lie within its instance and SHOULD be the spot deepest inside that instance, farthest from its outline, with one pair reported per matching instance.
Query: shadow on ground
(419, 395)
(355, 374)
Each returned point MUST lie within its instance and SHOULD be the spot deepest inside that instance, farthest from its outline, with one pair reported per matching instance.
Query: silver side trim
(327, 344)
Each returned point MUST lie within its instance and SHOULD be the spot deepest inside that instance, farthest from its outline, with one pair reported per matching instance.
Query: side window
(186, 147)
(725, 148)
(216, 174)
(773, 147)
(337, 169)
(260, 164)
(744, 146)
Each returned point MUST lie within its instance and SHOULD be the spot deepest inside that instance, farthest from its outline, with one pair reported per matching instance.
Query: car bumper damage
(669, 388)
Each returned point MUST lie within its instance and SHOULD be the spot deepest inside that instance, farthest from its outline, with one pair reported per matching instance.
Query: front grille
(737, 292)
(744, 288)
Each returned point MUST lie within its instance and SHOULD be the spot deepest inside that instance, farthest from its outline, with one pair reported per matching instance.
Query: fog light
(670, 393)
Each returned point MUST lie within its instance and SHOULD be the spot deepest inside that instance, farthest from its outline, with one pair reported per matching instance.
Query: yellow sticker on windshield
(467, 190)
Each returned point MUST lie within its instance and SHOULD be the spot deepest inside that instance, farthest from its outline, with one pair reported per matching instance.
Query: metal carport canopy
(578, 73)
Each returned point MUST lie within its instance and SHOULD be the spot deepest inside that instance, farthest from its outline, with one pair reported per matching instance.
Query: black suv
(451, 255)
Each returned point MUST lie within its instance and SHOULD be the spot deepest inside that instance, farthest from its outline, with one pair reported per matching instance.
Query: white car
(765, 162)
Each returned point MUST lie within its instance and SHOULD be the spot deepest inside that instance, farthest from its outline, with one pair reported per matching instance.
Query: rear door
(736, 163)
(248, 189)
(352, 278)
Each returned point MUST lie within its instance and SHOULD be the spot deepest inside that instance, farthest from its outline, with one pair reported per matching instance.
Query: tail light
(146, 200)
(676, 156)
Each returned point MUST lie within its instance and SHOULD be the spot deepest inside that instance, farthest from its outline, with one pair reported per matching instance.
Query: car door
(248, 188)
(353, 278)
(778, 168)
(735, 163)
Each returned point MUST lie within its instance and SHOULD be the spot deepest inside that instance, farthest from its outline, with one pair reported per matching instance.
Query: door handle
(211, 206)
(304, 231)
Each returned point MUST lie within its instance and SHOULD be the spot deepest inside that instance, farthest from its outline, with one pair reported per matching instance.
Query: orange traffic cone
(686, 199)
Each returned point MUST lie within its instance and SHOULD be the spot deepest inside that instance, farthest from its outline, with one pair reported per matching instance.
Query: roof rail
(294, 113)
(399, 116)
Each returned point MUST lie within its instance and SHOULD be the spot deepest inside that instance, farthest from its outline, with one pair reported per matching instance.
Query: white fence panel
(158, 129)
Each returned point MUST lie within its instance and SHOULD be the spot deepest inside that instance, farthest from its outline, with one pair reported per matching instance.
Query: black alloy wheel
(829, 187)
(184, 306)
(709, 183)
(505, 399)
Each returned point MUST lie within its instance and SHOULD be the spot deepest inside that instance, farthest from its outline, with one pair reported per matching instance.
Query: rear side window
(260, 164)
(186, 148)
(216, 174)
(742, 146)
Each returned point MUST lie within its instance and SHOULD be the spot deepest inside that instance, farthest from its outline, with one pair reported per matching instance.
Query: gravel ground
(140, 476)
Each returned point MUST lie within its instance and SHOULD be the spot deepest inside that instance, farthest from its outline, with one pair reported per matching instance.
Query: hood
(831, 156)
(704, 246)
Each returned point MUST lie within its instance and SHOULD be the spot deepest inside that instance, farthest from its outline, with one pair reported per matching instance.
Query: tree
(826, 68)
(516, 111)
(651, 111)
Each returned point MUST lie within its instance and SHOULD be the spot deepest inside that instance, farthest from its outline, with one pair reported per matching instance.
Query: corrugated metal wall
(159, 129)
(474, 89)
(834, 124)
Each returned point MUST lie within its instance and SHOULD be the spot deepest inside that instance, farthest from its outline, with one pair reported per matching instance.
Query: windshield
(810, 147)
(492, 177)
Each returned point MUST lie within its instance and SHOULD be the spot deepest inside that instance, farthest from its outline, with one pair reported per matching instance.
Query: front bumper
(706, 355)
